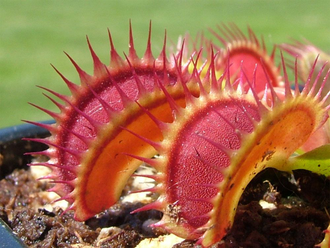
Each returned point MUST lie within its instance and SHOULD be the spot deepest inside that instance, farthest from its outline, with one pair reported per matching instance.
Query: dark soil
(298, 220)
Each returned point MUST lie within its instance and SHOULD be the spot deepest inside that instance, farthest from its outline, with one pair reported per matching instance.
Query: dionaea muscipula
(206, 124)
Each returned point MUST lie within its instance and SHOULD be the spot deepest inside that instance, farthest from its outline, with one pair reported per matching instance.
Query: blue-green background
(34, 33)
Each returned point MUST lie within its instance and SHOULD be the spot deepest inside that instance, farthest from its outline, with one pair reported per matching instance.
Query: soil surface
(300, 215)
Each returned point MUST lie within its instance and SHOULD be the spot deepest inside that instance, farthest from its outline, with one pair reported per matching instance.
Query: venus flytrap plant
(248, 48)
(104, 106)
(237, 46)
(307, 52)
(212, 133)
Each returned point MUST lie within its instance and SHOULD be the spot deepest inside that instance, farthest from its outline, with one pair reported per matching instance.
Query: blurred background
(35, 33)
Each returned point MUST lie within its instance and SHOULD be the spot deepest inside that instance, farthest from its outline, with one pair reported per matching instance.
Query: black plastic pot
(8, 239)
(12, 147)
(12, 150)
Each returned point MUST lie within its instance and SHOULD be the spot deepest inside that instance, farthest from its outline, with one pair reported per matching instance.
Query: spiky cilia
(212, 134)
(306, 52)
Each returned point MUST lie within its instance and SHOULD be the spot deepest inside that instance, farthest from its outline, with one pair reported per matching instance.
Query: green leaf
(317, 161)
